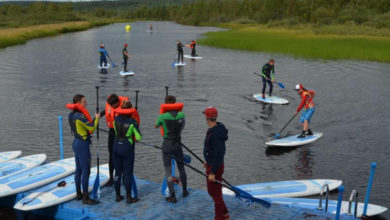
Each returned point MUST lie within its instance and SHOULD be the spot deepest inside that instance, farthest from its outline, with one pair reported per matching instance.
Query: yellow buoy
(128, 28)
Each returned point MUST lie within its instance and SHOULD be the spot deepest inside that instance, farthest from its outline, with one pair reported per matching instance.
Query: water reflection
(180, 77)
(305, 162)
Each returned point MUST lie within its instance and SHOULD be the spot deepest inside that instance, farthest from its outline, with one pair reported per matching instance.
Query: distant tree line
(374, 13)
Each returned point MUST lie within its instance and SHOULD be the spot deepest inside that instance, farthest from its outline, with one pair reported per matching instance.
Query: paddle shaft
(97, 109)
(166, 90)
(197, 157)
(60, 184)
(266, 78)
(136, 99)
(287, 123)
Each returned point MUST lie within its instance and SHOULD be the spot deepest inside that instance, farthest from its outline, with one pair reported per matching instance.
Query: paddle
(60, 184)
(239, 193)
(136, 99)
(174, 61)
(96, 184)
(279, 83)
(278, 134)
(202, 161)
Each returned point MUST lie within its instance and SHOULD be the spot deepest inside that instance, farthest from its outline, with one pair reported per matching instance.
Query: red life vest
(170, 107)
(110, 112)
(80, 108)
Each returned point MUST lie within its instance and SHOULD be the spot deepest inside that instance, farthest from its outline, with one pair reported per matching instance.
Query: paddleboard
(270, 99)
(51, 194)
(332, 205)
(128, 73)
(293, 188)
(292, 141)
(21, 164)
(9, 155)
(191, 57)
(36, 177)
(179, 64)
(104, 67)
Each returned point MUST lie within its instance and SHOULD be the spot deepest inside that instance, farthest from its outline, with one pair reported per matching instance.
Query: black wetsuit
(180, 52)
(125, 58)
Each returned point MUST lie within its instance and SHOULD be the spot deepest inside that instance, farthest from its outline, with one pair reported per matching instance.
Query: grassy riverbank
(14, 36)
(317, 43)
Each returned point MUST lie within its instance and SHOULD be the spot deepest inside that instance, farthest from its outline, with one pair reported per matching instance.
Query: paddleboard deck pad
(332, 205)
(21, 164)
(9, 155)
(270, 99)
(36, 177)
(191, 57)
(104, 67)
(128, 73)
(51, 194)
(293, 141)
(293, 188)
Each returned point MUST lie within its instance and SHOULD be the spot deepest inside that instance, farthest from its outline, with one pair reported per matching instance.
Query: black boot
(303, 134)
(79, 195)
(185, 193)
(130, 199)
(89, 201)
(171, 199)
(309, 132)
(118, 197)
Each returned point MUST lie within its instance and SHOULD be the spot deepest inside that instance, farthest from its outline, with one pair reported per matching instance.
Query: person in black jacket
(214, 152)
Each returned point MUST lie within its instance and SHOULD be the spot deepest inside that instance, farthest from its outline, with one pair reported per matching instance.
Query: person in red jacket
(307, 102)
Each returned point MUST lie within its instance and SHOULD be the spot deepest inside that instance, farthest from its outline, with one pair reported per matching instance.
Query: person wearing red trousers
(214, 152)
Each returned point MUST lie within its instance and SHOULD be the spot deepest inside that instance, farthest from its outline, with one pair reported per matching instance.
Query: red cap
(211, 112)
(125, 45)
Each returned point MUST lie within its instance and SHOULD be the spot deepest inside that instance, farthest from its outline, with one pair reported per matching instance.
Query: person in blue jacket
(103, 55)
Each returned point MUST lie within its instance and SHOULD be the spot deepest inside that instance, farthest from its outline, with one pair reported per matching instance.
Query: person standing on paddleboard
(179, 51)
(126, 56)
(192, 45)
(151, 28)
(81, 127)
(103, 55)
(268, 76)
(126, 134)
(307, 102)
(214, 152)
(172, 122)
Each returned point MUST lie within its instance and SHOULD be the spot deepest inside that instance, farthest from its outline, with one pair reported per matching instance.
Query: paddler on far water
(151, 28)
(103, 56)
(307, 102)
(192, 45)
(126, 56)
(82, 126)
(179, 51)
(172, 121)
(268, 76)
(126, 134)
(214, 152)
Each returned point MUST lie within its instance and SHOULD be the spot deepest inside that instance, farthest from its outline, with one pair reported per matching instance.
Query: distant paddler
(126, 56)
(151, 28)
(192, 45)
(180, 55)
(307, 102)
(103, 56)
(268, 76)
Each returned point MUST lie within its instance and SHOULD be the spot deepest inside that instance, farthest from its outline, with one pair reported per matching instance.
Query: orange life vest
(128, 111)
(110, 112)
(80, 108)
(170, 107)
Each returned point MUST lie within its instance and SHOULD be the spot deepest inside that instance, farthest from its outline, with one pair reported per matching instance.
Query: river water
(352, 104)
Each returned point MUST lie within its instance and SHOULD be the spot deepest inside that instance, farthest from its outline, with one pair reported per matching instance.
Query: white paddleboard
(293, 188)
(191, 57)
(21, 164)
(332, 205)
(179, 64)
(104, 67)
(9, 155)
(292, 141)
(270, 99)
(51, 194)
(128, 73)
(36, 177)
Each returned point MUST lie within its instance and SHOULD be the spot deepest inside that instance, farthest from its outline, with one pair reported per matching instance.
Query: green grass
(301, 43)
(14, 36)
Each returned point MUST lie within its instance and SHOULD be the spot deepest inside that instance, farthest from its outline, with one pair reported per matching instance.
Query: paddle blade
(96, 188)
(173, 64)
(281, 85)
(277, 136)
(242, 194)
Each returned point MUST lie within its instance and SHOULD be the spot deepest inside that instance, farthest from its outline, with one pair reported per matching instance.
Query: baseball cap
(211, 112)
(298, 87)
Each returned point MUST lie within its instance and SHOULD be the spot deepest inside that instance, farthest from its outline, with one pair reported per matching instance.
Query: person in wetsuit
(126, 134)
(126, 56)
(193, 50)
(179, 51)
(268, 76)
(173, 123)
(103, 55)
(81, 128)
